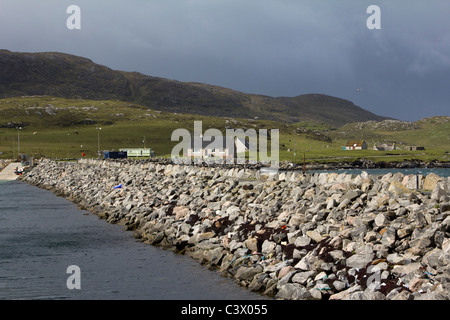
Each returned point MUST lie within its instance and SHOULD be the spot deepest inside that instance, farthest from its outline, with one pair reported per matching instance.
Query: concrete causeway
(8, 172)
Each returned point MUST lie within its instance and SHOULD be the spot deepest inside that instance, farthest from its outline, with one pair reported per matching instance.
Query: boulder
(180, 212)
(345, 295)
(302, 277)
(397, 188)
(431, 181)
(440, 191)
(389, 237)
(268, 247)
(293, 291)
(359, 260)
(406, 268)
(314, 235)
(248, 273)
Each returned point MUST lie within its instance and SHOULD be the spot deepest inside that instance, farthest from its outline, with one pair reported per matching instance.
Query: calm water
(41, 235)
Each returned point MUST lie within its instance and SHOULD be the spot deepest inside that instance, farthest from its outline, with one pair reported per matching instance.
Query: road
(8, 172)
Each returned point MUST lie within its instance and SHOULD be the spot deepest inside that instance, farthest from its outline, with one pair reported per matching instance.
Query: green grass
(66, 128)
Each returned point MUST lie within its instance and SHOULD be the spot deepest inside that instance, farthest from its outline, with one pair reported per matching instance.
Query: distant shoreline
(365, 164)
(359, 164)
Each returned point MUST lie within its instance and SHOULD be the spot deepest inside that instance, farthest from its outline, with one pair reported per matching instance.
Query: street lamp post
(98, 140)
(18, 141)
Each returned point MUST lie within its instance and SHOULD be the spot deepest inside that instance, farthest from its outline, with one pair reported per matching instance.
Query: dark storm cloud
(272, 47)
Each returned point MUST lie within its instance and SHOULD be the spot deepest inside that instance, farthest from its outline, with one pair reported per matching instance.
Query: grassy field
(65, 128)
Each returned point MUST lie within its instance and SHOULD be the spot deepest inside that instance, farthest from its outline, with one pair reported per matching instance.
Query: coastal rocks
(293, 291)
(359, 260)
(431, 181)
(288, 236)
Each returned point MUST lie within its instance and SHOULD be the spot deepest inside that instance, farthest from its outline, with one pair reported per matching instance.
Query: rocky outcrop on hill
(285, 235)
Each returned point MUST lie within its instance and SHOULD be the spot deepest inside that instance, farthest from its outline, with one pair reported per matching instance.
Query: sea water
(41, 235)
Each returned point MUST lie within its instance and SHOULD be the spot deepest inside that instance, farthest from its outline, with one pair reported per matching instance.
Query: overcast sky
(270, 47)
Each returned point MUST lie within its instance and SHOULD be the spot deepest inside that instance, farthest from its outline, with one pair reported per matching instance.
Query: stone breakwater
(285, 235)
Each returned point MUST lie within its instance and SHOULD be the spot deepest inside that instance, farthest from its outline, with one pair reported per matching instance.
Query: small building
(415, 148)
(355, 145)
(242, 145)
(114, 155)
(208, 149)
(138, 152)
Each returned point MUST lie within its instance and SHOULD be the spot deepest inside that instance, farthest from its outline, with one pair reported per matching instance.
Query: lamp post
(18, 141)
(295, 148)
(98, 140)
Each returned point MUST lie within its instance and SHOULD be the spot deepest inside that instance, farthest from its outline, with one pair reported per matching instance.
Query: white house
(355, 145)
(242, 145)
(217, 149)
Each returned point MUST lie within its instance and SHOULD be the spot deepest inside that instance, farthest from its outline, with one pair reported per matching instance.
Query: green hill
(68, 76)
(66, 128)
(431, 133)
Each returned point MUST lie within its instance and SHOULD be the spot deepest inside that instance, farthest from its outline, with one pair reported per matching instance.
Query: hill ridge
(70, 76)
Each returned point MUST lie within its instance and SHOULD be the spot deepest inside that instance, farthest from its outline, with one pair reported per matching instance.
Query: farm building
(138, 152)
(355, 145)
(415, 148)
(207, 148)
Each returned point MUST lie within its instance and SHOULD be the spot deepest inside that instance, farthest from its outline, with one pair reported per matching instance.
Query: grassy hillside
(65, 128)
(432, 133)
(57, 127)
